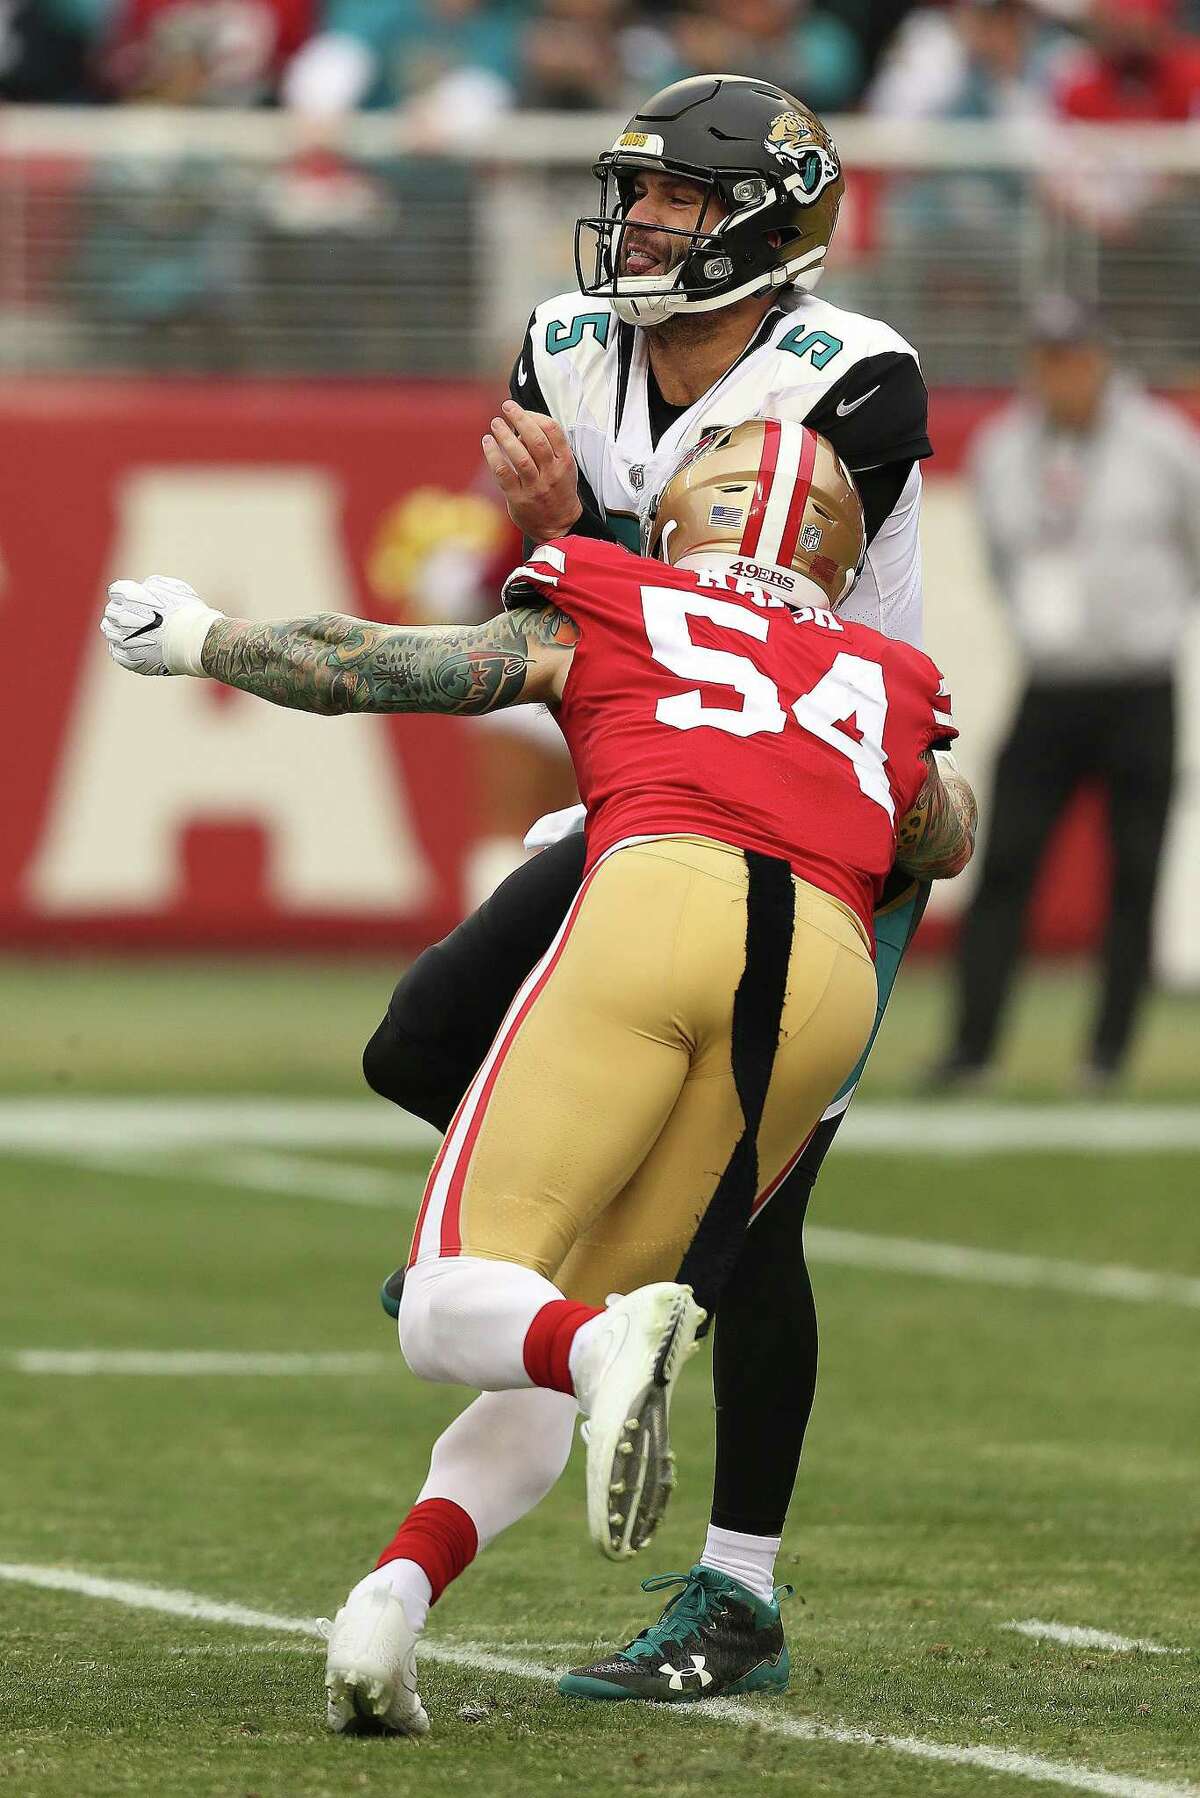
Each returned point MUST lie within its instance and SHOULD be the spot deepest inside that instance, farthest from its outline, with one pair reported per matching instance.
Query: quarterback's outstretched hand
(531, 459)
(156, 626)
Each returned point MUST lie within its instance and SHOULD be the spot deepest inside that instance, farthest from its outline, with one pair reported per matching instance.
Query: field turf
(983, 1452)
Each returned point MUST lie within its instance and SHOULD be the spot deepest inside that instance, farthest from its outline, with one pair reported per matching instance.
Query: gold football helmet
(772, 497)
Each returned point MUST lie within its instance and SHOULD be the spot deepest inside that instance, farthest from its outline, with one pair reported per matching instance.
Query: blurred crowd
(177, 257)
(1089, 59)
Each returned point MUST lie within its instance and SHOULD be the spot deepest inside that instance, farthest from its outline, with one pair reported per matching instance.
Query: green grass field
(983, 1451)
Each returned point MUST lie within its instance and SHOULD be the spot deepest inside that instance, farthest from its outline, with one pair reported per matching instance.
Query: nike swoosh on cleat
(844, 407)
(154, 625)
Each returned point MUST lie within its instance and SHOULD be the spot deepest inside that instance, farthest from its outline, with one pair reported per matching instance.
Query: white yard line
(61, 1127)
(262, 1170)
(58, 1127)
(1074, 1777)
(1073, 1636)
(194, 1363)
(267, 1171)
(988, 1129)
(994, 1267)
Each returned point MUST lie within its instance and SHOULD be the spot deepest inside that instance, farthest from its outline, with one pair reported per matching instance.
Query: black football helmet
(765, 156)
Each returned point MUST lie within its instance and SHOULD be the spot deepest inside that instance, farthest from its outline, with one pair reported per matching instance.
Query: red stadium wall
(96, 473)
(71, 452)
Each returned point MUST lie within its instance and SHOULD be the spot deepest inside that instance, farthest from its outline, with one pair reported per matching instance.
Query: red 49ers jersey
(698, 702)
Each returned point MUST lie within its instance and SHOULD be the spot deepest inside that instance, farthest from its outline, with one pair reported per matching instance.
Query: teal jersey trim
(894, 931)
(627, 531)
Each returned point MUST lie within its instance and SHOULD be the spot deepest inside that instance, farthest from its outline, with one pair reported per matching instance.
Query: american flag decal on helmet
(727, 517)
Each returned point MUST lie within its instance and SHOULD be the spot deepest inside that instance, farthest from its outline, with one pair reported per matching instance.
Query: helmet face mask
(761, 154)
(711, 270)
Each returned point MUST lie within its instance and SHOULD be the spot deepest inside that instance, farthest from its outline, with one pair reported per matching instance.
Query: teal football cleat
(390, 1291)
(714, 1640)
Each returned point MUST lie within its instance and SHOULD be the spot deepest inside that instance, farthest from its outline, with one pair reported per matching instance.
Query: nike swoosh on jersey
(154, 624)
(522, 373)
(844, 407)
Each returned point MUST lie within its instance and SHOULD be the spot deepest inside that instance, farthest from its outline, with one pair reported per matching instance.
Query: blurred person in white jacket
(1088, 493)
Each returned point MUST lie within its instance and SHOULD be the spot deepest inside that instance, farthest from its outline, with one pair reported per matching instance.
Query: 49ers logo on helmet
(792, 139)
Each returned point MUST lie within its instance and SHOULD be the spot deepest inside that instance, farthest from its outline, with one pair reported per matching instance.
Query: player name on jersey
(700, 703)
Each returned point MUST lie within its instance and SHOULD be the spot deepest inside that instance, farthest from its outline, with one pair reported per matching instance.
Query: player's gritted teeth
(647, 253)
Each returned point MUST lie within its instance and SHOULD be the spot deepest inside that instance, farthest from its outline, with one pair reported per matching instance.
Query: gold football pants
(590, 1142)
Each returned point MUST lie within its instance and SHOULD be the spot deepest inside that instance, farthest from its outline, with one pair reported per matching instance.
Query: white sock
(464, 1319)
(585, 1337)
(501, 1456)
(748, 1559)
(405, 1581)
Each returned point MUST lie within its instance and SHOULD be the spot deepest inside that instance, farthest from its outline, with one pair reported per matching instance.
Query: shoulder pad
(822, 336)
(573, 322)
(568, 336)
(548, 570)
(570, 319)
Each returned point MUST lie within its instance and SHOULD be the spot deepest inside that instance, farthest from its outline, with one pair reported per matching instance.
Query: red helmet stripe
(800, 492)
(762, 490)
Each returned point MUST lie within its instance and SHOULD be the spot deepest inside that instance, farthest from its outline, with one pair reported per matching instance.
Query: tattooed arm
(936, 836)
(330, 663)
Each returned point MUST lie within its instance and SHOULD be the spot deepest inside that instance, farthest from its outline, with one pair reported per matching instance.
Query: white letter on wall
(144, 759)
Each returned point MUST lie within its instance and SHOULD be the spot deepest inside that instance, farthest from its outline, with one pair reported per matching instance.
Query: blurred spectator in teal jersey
(811, 52)
(464, 54)
(573, 56)
(46, 48)
(979, 59)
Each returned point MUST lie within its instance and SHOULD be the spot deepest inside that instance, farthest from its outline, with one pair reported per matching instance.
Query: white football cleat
(371, 1669)
(624, 1380)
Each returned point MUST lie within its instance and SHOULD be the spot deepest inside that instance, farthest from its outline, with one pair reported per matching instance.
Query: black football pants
(1123, 736)
(439, 1026)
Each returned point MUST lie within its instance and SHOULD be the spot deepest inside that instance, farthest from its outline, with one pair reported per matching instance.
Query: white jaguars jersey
(851, 378)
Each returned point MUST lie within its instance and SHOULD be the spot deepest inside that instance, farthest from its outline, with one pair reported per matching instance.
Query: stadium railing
(146, 239)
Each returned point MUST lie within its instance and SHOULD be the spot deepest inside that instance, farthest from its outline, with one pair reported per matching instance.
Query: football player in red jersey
(752, 766)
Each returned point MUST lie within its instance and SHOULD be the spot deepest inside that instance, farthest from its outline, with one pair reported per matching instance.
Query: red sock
(439, 1536)
(548, 1342)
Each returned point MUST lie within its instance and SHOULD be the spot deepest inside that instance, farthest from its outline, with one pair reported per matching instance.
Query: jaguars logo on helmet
(791, 139)
(769, 187)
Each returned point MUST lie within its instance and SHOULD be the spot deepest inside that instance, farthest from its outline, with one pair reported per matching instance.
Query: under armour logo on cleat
(697, 1670)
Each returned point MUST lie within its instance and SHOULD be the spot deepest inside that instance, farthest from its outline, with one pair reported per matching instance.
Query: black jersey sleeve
(525, 388)
(879, 489)
(591, 521)
(877, 413)
(523, 384)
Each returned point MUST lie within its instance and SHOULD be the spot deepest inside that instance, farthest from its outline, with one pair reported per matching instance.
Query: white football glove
(156, 626)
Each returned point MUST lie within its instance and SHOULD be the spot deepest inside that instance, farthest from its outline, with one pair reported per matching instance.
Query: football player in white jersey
(695, 310)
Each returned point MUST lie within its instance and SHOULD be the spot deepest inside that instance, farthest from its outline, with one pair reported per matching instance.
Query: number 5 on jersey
(847, 708)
